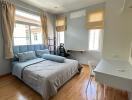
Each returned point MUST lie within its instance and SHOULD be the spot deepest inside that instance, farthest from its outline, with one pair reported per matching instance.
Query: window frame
(100, 44)
(29, 25)
(58, 35)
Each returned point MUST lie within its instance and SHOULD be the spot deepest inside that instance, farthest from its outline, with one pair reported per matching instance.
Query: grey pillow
(54, 58)
(25, 56)
(40, 53)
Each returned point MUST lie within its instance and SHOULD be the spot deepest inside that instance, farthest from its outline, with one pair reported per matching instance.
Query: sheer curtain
(7, 18)
(44, 28)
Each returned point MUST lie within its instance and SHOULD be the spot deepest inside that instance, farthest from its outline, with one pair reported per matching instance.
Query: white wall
(118, 30)
(117, 33)
(77, 37)
(87, 57)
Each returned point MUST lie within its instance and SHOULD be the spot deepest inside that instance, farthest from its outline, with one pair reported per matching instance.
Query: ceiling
(61, 6)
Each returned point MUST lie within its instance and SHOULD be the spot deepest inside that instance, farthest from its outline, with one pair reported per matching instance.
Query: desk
(73, 50)
(114, 73)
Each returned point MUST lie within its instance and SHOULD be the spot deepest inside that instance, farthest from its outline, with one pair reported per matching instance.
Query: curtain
(44, 28)
(95, 19)
(60, 23)
(7, 18)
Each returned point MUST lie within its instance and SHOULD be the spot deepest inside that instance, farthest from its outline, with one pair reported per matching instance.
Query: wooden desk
(73, 50)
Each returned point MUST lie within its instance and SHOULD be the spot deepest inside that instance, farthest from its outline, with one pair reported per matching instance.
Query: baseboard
(4, 75)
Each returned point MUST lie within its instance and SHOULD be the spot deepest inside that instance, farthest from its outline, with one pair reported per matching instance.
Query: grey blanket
(47, 76)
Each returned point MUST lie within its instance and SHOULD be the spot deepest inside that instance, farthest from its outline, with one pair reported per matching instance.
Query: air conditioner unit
(78, 14)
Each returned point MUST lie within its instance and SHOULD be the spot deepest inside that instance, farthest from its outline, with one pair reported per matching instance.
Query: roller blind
(95, 20)
(60, 23)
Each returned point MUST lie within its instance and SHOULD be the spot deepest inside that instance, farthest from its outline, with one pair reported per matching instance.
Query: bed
(44, 76)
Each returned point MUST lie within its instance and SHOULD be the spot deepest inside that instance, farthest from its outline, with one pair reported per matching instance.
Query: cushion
(40, 53)
(54, 58)
(26, 56)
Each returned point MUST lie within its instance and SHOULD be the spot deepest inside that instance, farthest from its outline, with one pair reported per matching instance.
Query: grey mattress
(45, 76)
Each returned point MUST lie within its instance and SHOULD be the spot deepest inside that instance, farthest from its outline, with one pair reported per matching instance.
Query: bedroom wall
(118, 31)
(5, 65)
(77, 35)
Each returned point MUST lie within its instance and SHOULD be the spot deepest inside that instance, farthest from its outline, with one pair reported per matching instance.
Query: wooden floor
(13, 89)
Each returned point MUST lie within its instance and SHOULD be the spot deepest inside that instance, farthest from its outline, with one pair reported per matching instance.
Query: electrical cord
(88, 83)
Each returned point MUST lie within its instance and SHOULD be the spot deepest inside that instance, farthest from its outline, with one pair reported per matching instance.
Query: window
(95, 24)
(60, 28)
(36, 35)
(21, 34)
(27, 29)
(95, 43)
(60, 38)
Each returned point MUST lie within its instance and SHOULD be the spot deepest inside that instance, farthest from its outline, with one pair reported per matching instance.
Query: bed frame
(26, 48)
(40, 85)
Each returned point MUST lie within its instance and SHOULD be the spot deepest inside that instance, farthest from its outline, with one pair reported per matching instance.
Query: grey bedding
(45, 76)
